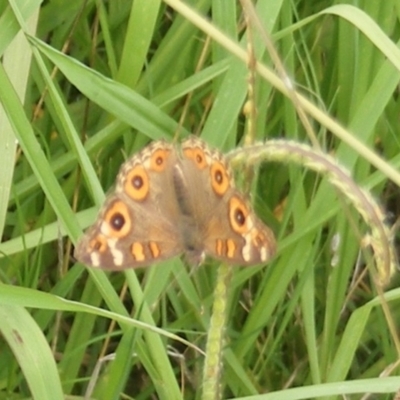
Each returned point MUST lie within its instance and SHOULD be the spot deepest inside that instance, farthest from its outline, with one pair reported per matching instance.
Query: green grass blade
(32, 352)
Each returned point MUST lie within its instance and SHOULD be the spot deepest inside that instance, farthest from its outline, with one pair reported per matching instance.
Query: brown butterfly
(170, 200)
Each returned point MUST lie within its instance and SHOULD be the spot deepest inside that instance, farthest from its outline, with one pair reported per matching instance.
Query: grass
(100, 80)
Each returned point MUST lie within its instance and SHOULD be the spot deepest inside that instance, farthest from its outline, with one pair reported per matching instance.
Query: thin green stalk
(213, 362)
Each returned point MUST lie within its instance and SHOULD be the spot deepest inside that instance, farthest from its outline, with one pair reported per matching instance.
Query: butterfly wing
(228, 227)
(136, 225)
(237, 236)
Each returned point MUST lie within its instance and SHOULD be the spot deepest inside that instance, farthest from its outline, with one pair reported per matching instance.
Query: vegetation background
(98, 80)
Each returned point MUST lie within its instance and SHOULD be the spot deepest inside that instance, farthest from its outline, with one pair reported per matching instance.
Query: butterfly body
(168, 201)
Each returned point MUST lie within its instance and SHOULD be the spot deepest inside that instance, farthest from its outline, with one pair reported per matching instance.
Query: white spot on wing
(263, 253)
(95, 259)
(117, 255)
(105, 229)
(246, 251)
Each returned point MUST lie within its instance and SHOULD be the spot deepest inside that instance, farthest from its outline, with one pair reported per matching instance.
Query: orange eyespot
(197, 156)
(230, 248)
(154, 249)
(137, 251)
(118, 220)
(238, 213)
(219, 178)
(99, 243)
(136, 183)
(158, 160)
(258, 238)
(225, 248)
(219, 247)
